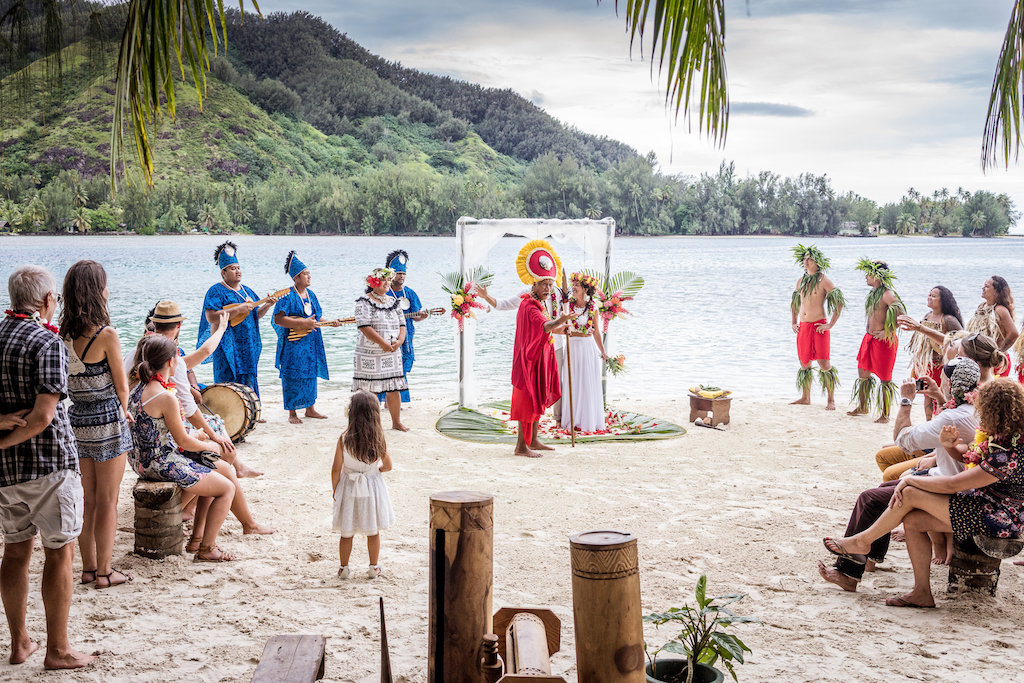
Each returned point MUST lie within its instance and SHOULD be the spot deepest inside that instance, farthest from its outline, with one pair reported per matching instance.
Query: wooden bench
(158, 531)
(291, 659)
(975, 563)
(717, 409)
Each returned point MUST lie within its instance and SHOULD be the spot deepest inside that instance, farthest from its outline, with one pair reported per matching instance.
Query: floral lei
(34, 317)
(985, 445)
(588, 326)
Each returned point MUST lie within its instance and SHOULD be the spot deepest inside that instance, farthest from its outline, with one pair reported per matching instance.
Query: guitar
(295, 335)
(239, 318)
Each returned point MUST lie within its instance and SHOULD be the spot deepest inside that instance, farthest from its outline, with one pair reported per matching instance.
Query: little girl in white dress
(361, 501)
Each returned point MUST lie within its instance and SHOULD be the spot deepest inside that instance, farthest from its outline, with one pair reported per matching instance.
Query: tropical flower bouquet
(614, 293)
(464, 298)
(616, 364)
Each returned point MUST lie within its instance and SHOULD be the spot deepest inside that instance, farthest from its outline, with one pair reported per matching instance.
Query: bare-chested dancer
(814, 291)
(877, 354)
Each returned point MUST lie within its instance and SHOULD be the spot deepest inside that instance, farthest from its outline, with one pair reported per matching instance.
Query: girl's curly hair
(1000, 407)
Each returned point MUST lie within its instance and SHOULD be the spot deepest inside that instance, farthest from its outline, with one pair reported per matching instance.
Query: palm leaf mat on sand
(491, 424)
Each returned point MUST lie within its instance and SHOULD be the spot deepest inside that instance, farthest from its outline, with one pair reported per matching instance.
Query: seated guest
(894, 460)
(158, 432)
(964, 377)
(985, 499)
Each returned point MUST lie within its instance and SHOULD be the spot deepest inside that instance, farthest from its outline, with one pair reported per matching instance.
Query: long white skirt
(587, 400)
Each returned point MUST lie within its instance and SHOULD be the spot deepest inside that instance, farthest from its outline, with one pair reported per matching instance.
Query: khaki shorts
(51, 505)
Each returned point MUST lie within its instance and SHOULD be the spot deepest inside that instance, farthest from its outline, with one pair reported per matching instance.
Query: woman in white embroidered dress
(586, 355)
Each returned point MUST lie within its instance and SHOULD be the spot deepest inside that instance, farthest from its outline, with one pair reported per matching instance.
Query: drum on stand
(236, 404)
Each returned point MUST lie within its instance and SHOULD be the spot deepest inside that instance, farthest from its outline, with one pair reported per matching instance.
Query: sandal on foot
(344, 572)
(128, 578)
(900, 601)
(374, 571)
(836, 548)
(193, 547)
(222, 556)
(84, 580)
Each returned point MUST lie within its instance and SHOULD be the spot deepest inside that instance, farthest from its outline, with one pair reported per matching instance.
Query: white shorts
(51, 505)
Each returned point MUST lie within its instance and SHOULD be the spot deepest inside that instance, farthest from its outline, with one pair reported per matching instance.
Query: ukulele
(295, 335)
(240, 316)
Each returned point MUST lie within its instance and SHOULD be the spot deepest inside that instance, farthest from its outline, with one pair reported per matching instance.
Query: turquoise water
(714, 310)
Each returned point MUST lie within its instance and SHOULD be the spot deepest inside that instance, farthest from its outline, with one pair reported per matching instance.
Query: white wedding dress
(587, 399)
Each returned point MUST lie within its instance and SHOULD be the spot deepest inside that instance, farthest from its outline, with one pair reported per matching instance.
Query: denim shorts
(51, 505)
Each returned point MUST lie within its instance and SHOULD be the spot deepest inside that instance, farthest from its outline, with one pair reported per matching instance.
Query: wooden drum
(236, 404)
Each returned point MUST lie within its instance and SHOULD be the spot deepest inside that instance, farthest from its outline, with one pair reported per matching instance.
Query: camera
(919, 383)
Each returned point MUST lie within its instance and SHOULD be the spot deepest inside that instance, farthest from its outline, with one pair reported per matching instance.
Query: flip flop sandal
(206, 550)
(898, 601)
(128, 578)
(88, 571)
(836, 549)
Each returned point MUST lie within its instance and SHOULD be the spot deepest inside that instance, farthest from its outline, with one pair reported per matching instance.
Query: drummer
(237, 357)
(303, 360)
(165, 319)
(397, 261)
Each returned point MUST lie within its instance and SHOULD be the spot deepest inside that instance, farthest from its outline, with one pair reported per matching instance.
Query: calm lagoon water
(714, 310)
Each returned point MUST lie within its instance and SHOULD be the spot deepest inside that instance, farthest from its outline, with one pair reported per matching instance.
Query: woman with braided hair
(587, 355)
(813, 294)
(877, 354)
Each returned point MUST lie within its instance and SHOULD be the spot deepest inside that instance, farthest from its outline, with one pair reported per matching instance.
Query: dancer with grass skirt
(877, 354)
(813, 294)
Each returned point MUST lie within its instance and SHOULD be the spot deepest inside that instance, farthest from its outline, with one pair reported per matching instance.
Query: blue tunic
(299, 362)
(408, 352)
(237, 357)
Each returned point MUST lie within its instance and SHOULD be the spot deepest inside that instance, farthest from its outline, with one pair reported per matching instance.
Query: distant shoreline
(452, 234)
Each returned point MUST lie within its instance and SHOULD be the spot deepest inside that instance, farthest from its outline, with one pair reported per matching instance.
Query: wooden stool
(291, 659)
(157, 519)
(975, 563)
(715, 408)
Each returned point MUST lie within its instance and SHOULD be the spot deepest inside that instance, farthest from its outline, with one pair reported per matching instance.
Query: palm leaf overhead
(628, 282)
(1003, 121)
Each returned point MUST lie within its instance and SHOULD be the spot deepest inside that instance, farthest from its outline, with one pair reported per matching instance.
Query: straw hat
(166, 312)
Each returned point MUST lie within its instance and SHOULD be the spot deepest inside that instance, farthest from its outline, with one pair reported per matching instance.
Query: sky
(880, 95)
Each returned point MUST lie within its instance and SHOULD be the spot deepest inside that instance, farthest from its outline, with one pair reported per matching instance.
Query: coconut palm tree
(81, 221)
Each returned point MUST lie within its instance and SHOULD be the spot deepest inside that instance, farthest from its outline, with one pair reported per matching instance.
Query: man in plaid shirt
(40, 483)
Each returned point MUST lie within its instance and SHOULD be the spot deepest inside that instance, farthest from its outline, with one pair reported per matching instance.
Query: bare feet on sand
(538, 446)
(246, 471)
(856, 411)
(399, 427)
(262, 529)
(882, 420)
(898, 535)
(831, 405)
(833, 575)
(311, 412)
(22, 651)
(869, 566)
(294, 419)
(802, 401)
(68, 659)
(527, 453)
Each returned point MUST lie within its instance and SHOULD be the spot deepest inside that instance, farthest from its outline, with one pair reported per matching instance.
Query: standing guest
(160, 441)
(985, 499)
(302, 360)
(40, 483)
(98, 387)
(586, 351)
(397, 261)
(361, 501)
(535, 383)
(237, 358)
(877, 354)
(994, 317)
(814, 291)
(378, 355)
(925, 349)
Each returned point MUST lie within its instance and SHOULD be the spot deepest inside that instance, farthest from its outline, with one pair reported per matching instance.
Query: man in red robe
(535, 381)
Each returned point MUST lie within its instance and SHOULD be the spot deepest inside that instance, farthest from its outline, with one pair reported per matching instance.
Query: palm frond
(627, 281)
(158, 35)
(1003, 120)
(688, 37)
(481, 276)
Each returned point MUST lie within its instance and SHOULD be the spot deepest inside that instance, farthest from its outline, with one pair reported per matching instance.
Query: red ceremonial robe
(534, 370)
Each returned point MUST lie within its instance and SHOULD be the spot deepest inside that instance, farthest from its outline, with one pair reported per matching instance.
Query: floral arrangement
(612, 307)
(461, 290)
(614, 292)
(575, 311)
(379, 276)
(984, 446)
(616, 364)
(585, 279)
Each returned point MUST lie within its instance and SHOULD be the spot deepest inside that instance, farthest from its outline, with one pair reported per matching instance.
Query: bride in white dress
(587, 355)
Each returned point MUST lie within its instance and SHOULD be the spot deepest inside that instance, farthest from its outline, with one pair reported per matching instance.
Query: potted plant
(702, 639)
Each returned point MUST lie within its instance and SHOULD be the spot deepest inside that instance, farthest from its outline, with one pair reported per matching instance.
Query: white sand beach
(748, 506)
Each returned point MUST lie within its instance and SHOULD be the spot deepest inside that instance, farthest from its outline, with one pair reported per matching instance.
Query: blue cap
(295, 266)
(226, 255)
(396, 261)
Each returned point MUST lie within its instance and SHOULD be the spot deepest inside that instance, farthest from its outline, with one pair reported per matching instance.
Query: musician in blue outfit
(411, 307)
(238, 356)
(301, 358)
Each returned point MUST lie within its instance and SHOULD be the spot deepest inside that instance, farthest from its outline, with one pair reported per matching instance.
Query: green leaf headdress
(880, 270)
(877, 269)
(800, 252)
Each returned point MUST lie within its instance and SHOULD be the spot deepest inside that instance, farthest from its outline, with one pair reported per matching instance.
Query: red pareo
(535, 383)
(812, 345)
(877, 356)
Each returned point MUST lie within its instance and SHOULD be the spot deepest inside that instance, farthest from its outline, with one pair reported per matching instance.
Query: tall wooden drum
(606, 607)
(461, 581)
(237, 404)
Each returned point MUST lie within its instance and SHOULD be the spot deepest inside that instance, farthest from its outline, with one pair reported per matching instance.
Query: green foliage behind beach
(303, 130)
